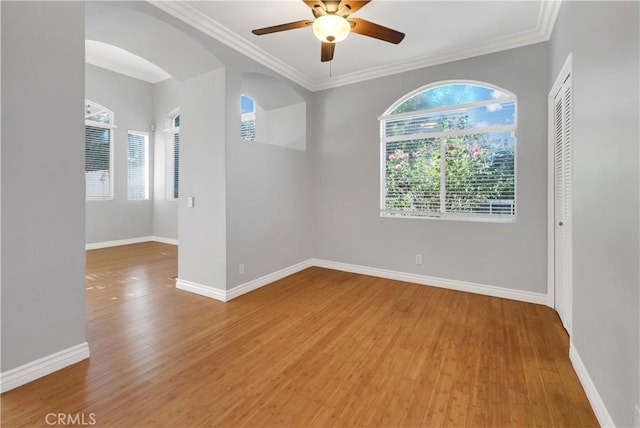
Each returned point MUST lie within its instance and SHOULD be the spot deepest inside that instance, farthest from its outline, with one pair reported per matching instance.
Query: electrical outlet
(636, 416)
(241, 268)
(418, 259)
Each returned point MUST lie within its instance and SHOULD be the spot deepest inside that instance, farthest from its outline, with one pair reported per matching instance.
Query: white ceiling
(436, 32)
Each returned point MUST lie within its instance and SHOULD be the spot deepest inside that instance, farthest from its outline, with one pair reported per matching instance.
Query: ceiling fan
(332, 23)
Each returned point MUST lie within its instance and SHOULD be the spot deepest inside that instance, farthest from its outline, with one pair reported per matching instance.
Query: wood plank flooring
(317, 349)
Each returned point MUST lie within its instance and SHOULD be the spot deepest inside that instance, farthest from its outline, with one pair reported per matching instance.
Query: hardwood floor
(319, 348)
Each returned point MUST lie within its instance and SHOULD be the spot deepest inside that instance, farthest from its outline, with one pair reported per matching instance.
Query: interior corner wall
(130, 100)
(606, 180)
(166, 98)
(346, 181)
(202, 228)
(43, 256)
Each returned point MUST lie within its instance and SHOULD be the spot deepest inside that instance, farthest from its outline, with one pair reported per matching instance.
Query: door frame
(566, 71)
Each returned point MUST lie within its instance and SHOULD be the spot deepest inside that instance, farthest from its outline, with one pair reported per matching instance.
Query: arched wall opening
(280, 114)
(194, 85)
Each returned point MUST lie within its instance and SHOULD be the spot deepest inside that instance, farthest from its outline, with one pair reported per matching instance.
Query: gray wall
(346, 152)
(202, 229)
(131, 102)
(166, 98)
(42, 180)
(605, 193)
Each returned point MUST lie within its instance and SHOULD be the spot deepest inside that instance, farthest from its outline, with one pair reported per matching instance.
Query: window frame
(146, 177)
(446, 215)
(111, 127)
(170, 163)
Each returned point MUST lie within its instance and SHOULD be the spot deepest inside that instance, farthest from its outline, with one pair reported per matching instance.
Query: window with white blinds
(247, 118)
(173, 156)
(137, 166)
(99, 125)
(448, 151)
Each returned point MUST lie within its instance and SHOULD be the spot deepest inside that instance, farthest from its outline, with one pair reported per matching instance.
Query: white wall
(131, 101)
(604, 39)
(43, 253)
(166, 98)
(346, 176)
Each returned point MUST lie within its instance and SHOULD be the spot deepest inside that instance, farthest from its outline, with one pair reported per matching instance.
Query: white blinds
(176, 165)
(173, 163)
(98, 162)
(137, 166)
(248, 127)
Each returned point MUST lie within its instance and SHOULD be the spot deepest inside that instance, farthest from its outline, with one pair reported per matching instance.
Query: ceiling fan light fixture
(331, 28)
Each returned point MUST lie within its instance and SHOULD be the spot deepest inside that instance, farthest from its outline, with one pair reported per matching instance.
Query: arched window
(98, 169)
(448, 151)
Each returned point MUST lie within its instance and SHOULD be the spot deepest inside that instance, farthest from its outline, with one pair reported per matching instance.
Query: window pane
(448, 95)
(412, 176)
(498, 114)
(137, 169)
(480, 173)
(247, 105)
(97, 113)
(176, 121)
(247, 118)
(98, 162)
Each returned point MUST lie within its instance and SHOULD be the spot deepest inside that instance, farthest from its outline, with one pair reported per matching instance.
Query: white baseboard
(599, 408)
(117, 243)
(41, 367)
(129, 241)
(487, 290)
(164, 240)
(203, 290)
(241, 289)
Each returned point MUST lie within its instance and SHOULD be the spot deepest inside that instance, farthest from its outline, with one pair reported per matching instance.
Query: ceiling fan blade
(370, 29)
(351, 6)
(327, 51)
(282, 27)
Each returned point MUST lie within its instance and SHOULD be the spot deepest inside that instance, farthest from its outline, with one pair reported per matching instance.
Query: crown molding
(198, 20)
(188, 14)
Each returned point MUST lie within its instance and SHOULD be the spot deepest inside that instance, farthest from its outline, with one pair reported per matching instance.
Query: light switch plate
(190, 201)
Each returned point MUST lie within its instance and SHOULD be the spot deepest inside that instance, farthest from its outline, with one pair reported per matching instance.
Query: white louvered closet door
(562, 197)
